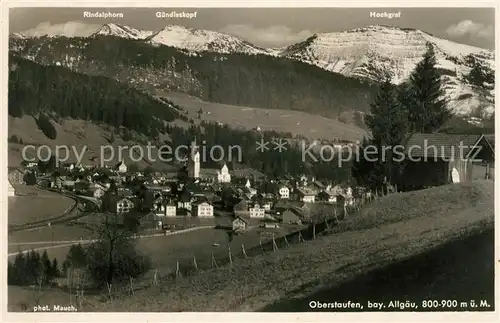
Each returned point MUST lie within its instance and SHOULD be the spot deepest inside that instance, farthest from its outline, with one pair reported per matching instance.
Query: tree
(113, 256)
(148, 171)
(424, 96)
(46, 267)
(133, 168)
(12, 278)
(17, 276)
(54, 269)
(388, 124)
(76, 258)
(46, 126)
(125, 262)
(34, 268)
(480, 75)
(131, 221)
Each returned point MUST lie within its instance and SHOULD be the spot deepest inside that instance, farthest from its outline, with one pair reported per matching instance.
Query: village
(239, 200)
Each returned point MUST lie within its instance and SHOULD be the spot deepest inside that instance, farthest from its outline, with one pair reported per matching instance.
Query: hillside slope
(393, 228)
(297, 123)
(257, 81)
(467, 71)
(79, 111)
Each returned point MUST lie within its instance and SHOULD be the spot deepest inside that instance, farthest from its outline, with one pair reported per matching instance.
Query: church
(210, 175)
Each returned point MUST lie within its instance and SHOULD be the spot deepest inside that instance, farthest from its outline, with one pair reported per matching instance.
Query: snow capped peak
(202, 40)
(18, 36)
(368, 51)
(112, 29)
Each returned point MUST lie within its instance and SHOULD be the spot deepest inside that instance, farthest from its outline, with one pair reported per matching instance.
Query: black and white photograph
(318, 160)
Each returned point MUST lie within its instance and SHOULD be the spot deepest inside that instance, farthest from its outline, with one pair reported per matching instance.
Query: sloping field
(82, 138)
(44, 205)
(395, 228)
(296, 122)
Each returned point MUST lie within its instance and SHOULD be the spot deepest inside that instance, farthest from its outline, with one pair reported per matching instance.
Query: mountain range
(360, 54)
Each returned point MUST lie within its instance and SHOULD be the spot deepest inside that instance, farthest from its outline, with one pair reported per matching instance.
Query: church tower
(193, 165)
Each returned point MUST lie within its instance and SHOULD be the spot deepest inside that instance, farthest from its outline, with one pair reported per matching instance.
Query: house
(16, 176)
(239, 224)
(249, 192)
(68, 166)
(256, 211)
(437, 158)
(245, 173)
(167, 209)
(11, 191)
(284, 192)
(170, 209)
(121, 167)
(184, 200)
(241, 208)
(270, 225)
(318, 185)
(326, 196)
(124, 205)
(31, 165)
(68, 185)
(203, 209)
(266, 205)
(223, 175)
(97, 192)
(291, 216)
(306, 194)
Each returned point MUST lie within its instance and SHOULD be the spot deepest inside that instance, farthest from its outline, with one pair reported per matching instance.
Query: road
(62, 218)
(67, 243)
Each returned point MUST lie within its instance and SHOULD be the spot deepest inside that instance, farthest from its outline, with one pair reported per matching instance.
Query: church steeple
(194, 160)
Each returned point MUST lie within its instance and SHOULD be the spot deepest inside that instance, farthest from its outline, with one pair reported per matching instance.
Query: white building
(122, 168)
(267, 206)
(167, 209)
(170, 210)
(124, 206)
(284, 192)
(98, 192)
(204, 210)
(257, 211)
(193, 166)
(223, 175)
(11, 191)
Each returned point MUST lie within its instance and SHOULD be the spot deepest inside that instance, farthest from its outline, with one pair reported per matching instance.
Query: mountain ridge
(362, 53)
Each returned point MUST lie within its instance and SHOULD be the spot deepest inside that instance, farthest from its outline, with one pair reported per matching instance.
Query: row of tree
(31, 268)
(112, 258)
(49, 92)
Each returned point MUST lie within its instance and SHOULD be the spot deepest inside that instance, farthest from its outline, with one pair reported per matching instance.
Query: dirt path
(62, 244)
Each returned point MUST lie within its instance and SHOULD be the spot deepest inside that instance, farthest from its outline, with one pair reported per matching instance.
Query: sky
(266, 27)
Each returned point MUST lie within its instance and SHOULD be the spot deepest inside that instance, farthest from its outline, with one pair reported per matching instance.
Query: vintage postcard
(326, 160)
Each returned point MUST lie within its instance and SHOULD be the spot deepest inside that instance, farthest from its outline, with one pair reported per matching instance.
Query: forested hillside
(52, 94)
(260, 81)
(35, 89)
